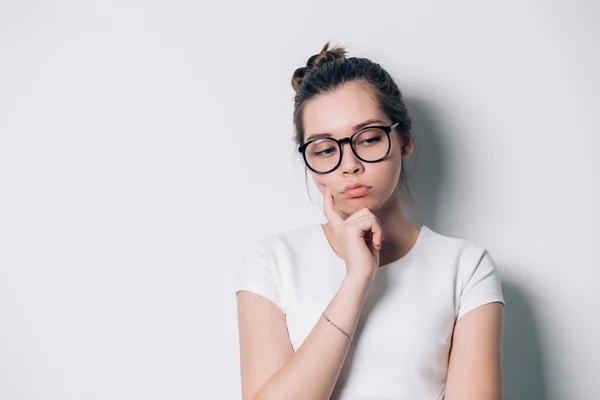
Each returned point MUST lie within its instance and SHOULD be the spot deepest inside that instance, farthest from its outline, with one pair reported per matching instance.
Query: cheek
(390, 168)
(388, 173)
(395, 158)
(322, 181)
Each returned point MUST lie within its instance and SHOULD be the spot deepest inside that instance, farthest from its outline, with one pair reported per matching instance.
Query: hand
(359, 238)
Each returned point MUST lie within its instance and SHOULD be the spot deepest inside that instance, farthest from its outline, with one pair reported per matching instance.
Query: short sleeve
(482, 287)
(256, 273)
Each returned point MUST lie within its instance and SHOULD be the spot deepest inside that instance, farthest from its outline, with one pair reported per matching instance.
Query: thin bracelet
(338, 328)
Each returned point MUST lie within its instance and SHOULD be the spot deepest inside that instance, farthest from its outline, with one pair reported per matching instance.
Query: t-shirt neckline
(410, 254)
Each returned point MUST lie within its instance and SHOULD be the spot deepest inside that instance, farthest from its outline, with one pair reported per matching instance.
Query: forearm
(313, 370)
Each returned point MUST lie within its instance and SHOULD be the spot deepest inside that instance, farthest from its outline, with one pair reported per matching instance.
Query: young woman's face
(338, 114)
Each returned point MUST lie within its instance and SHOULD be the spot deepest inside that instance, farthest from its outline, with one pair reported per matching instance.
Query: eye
(322, 148)
(369, 141)
(325, 152)
(370, 137)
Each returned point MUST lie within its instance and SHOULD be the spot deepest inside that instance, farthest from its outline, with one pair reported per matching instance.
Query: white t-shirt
(401, 346)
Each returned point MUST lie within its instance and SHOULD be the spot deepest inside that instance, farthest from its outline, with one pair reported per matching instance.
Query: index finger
(330, 213)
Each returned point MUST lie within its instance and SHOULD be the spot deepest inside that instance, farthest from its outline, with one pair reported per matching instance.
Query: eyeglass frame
(340, 143)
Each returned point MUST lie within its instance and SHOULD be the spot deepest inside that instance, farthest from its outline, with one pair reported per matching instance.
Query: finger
(378, 234)
(370, 243)
(381, 226)
(378, 238)
(360, 214)
(371, 223)
(366, 213)
(330, 213)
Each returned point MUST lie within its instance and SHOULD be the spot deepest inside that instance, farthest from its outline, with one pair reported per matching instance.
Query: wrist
(358, 283)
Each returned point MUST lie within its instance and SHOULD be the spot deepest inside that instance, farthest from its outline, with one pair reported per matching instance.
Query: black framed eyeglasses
(370, 144)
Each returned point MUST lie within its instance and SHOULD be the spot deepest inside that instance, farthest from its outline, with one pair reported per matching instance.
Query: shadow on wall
(426, 167)
(524, 377)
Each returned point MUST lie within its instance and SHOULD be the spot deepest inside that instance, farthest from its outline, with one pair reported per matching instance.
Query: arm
(269, 367)
(475, 367)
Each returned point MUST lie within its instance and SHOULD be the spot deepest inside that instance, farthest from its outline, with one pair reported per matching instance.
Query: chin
(350, 206)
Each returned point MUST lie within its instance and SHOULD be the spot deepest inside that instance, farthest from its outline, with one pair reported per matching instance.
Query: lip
(354, 190)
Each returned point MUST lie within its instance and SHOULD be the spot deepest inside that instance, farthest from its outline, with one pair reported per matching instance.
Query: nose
(350, 164)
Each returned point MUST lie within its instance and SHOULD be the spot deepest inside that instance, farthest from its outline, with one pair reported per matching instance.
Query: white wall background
(144, 145)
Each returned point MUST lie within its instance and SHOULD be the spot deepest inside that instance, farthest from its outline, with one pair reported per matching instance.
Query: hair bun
(324, 56)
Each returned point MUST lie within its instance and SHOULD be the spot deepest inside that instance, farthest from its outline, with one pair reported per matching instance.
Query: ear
(408, 146)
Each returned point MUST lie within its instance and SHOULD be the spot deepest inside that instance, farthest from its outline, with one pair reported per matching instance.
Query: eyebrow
(354, 129)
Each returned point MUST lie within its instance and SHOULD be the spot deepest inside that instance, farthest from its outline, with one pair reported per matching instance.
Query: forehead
(337, 112)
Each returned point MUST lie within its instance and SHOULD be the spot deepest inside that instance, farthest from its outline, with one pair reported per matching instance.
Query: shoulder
(466, 267)
(452, 245)
(462, 254)
(265, 265)
(284, 249)
(289, 241)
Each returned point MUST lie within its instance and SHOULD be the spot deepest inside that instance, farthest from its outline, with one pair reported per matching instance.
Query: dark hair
(328, 70)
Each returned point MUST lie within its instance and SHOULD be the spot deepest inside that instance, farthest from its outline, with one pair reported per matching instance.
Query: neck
(400, 234)
(391, 218)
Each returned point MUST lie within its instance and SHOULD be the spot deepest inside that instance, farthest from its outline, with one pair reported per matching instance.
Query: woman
(366, 306)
